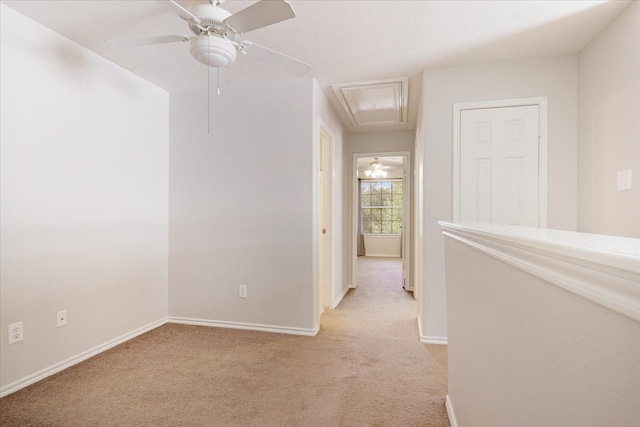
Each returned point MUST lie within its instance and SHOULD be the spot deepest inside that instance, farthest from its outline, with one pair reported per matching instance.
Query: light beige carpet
(366, 367)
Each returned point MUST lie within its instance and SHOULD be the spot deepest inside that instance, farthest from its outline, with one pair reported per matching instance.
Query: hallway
(380, 273)
(399, 381)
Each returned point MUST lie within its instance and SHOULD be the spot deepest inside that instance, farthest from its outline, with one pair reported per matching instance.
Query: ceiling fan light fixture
(377, 173)
(375, 170)
(213, 51)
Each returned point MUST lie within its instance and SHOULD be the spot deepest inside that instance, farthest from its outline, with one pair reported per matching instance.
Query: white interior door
(321, 266)
(325, 264)
(499, 165)
(405, 220)
(323, 231)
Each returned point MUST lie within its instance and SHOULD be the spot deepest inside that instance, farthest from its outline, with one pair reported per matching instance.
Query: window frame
(401, 207)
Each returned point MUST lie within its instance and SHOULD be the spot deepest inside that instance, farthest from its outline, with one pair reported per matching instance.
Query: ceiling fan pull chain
(218, 81)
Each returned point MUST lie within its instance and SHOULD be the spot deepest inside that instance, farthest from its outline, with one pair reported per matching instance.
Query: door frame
(541, 102)
(406, 214)
(327, 162)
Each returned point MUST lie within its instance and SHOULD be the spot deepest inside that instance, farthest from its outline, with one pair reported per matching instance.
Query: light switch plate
(624, 180)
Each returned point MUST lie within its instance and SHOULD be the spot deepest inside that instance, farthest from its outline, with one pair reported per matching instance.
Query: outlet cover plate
(16, 332)
(61, 318)
(242, 291)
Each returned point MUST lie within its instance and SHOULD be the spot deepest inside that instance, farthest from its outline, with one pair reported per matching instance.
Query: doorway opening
(381, 220)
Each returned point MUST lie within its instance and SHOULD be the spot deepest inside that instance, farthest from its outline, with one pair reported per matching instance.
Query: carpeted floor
(366, 367)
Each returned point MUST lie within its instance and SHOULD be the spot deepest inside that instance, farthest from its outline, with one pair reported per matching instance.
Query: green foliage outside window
(381, 205)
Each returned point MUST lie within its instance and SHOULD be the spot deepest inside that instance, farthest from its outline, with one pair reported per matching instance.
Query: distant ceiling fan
(216, 30)
(376, 170)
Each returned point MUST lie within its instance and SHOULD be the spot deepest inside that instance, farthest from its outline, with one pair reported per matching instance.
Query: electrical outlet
(61, 318)
(16, 332)
(242, 291)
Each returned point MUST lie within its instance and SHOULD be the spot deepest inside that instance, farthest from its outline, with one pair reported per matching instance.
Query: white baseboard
(450, 413)
(73, 360)
(383, 255)
(344, 292)
(246, 326)
(434, 340)
(430, 339)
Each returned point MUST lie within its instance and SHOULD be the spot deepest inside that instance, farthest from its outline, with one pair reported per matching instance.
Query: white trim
(342, 294)
(450, 413)
(74, 360)
(541, 102)
(406, 212)
(245, 326)
(382, 256)
(430, 339)
(434, 340)
(569, 260)
(401, 89)
(330, 216)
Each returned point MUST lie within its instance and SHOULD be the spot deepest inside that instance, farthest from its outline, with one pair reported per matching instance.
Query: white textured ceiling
(343, 41)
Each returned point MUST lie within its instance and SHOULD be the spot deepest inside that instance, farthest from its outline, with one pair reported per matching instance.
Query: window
(381, 205)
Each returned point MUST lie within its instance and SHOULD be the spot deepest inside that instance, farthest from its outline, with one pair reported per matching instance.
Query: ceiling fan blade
(146, 41)
(258, 15)
(276, 59)
(180, 11)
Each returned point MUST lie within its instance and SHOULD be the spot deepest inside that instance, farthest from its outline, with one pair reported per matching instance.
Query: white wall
(377, 245)
(609, 127)
(327, 119)
(84, 198)
(242, 206)
(379, 142)
(525, 352)
(418, 214)
(555, 78)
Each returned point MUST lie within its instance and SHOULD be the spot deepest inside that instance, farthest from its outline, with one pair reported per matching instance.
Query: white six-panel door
(499, 165)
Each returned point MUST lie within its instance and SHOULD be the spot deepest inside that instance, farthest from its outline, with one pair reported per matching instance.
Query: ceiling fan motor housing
(213, 51)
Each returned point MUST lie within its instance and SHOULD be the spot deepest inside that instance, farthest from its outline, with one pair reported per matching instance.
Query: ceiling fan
(376, 169)
(215, 33)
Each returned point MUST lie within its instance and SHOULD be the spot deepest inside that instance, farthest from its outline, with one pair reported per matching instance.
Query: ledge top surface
(621, 252)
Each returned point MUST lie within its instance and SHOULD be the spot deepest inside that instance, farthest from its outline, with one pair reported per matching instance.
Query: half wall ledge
(603, 269)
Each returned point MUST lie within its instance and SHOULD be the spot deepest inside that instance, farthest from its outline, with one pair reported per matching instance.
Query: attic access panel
(380, 102)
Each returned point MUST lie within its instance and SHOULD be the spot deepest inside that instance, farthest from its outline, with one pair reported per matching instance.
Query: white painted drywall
(525, 352)
(241, 205)
(609, 127)
(326, 118)
(554, 78)
(379, 142)
(376, 245)
(418, 214)
(84, 197)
